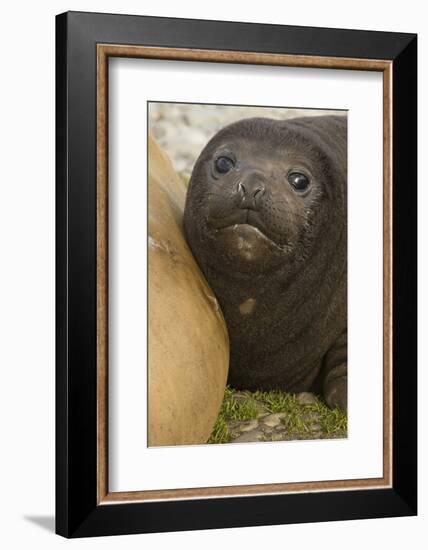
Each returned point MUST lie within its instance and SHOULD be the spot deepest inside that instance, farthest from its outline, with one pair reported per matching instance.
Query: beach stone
(248, 426)
(248, 437)
(234, 424)
(241, 397)
(188, 341)
(273, 420)
(280, 428)
(306, 398)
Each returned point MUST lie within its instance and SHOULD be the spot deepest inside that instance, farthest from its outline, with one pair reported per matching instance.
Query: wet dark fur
(294, 336)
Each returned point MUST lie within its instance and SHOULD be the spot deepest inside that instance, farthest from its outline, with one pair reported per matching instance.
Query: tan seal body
(188, 342)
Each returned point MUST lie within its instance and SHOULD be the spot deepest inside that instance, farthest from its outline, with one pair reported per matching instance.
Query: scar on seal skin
(247, 307)
(266, 220)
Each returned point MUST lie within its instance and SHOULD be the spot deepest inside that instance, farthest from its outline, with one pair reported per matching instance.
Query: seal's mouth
(251, 241)
(249, 229)
(243, 216)
(250, 222)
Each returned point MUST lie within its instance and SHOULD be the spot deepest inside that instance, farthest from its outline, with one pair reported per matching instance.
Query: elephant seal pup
(265, 218)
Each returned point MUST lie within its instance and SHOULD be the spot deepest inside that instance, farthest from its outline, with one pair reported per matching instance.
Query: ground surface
(183, 130)
(276, 416)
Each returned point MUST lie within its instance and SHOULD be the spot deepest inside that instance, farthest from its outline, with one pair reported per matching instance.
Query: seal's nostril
(251, 190)
(241, 188)
(259, 191)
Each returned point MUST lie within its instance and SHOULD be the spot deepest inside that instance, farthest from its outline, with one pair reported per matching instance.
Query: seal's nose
(250, 190)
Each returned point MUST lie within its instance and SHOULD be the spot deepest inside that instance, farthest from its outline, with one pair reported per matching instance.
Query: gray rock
(306, 398)
(234, 424)
(247, 426)
(280, 428)
(241, 397)
(273, 420)
(248, 437)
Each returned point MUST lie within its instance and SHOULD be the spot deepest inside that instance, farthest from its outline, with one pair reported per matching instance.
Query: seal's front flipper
(336, 387)
(335, 374)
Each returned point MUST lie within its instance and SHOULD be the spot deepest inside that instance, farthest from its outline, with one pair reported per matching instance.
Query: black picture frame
(78, 513)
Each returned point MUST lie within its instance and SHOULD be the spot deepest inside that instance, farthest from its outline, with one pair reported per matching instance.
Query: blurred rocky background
(183, 129)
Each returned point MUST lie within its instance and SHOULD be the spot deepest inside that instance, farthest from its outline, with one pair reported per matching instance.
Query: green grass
(300, 420)
(220, 433)
(232, 409)
(276, 401)
(332, 421)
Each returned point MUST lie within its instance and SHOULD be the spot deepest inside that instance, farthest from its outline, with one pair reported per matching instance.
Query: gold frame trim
(104, 51)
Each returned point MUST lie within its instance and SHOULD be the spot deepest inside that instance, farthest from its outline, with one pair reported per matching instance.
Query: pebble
(248, 437)
(248, 426)
(306, 398)
(240, 397)
(273, 420)
(271, 427)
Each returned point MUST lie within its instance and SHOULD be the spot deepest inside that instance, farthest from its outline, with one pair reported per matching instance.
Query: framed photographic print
(236, 274)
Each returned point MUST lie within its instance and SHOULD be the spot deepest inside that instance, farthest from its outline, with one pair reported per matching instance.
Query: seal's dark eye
(299, 181)
(224, 164)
